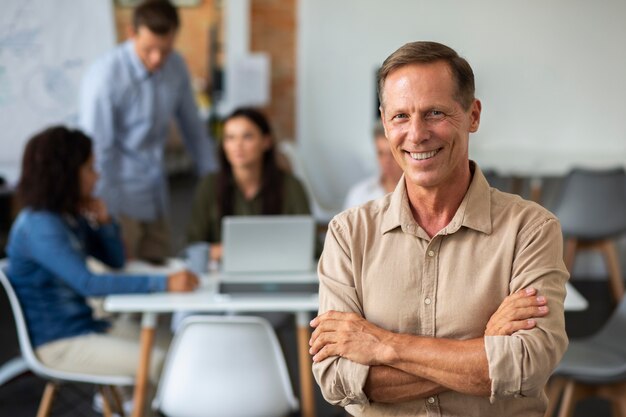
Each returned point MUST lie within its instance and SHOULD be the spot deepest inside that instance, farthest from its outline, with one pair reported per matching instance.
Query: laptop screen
(265, 244)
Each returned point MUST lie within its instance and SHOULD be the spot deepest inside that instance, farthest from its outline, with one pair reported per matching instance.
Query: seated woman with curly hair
(60, 225)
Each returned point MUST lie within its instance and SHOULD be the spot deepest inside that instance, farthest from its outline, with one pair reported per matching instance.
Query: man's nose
(157, 58)
(418, 130)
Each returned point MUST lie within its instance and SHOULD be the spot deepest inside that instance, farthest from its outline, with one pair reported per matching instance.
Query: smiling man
(434, 299)
(127, 100)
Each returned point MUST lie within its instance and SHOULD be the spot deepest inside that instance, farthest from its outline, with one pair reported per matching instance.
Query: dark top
(206, 224)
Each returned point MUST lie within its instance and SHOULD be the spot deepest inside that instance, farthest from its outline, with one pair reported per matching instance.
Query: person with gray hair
(445, 297)
(382, 183)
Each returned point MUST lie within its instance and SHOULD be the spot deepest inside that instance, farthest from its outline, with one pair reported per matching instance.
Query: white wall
(551, 76)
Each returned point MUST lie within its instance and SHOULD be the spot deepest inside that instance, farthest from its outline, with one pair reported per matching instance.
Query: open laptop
(268, 254)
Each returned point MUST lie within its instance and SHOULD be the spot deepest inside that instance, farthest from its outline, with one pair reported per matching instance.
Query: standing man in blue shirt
(127, 100)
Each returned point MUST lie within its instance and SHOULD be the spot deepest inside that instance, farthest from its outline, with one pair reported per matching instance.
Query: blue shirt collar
(139, 70)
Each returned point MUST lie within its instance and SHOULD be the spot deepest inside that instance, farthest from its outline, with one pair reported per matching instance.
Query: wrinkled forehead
(434, 78)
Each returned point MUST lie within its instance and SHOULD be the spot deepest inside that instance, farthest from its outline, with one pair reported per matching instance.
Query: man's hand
(350, 336)
(517, 312)
(182, 281)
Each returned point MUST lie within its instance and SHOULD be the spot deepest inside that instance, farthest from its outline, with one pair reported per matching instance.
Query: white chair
(16, 366)
(225, 367)
(56, 377)
(321, 209)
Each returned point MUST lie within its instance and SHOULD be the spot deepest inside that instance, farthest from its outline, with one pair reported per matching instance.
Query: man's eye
(401, 116)
(435, 113)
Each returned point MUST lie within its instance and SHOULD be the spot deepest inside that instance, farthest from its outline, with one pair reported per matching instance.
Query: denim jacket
(47, 266)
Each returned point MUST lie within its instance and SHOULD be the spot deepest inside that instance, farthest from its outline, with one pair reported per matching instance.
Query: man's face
(427, 129)
(152, 49)
(389, 168)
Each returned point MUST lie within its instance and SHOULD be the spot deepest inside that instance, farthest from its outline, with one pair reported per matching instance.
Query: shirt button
(427, 301)
(431, 400)
(431, 253)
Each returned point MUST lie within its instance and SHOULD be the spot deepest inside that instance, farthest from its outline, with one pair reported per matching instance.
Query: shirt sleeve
(194, 132)
(104, 242)
(520, 364)
(96, 119)
(341, 380)
(54, 247)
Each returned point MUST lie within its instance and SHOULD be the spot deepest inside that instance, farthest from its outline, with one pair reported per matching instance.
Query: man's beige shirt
(380, 263)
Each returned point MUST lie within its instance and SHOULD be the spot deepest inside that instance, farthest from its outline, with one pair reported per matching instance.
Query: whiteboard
(45, 45)
(551, 76)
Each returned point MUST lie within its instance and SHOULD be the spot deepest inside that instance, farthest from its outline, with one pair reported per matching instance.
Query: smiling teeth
(423, 155)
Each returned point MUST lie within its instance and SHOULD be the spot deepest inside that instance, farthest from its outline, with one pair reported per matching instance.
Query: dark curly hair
(51, 164)
(272, 180)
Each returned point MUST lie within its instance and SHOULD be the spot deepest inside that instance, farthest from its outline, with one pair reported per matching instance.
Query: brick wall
(273, 31)
(193, 38)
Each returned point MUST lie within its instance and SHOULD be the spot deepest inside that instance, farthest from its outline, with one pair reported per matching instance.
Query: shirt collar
(139, 70)
(474, 211)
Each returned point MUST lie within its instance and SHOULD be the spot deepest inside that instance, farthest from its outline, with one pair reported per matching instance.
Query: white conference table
(206, 299)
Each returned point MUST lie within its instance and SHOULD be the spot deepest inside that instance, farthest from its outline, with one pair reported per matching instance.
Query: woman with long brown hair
(250, 181)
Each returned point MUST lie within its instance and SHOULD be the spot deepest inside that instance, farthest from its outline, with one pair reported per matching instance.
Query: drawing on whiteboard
(22, 43)
(51, 88)
(44, 50)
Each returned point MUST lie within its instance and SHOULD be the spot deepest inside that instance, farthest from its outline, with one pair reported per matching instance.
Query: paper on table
(139, 267)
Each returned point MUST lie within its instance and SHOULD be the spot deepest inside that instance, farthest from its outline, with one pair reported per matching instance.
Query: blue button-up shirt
(127, 110)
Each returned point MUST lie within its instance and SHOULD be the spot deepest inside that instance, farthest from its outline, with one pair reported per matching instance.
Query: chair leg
(616, 394)
(46, 400)
(573, 393)
(616, 280)
(554, 390)
(106, 406)
(571, 246)
(117, 400)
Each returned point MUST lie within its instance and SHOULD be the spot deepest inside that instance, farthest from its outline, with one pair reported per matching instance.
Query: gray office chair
(595, 366)
(592, 212)
(55, 377)
(231, 367)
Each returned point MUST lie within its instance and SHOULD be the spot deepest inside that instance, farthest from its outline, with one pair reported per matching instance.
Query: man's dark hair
(423, 52)
(159, 16)
(50, 178)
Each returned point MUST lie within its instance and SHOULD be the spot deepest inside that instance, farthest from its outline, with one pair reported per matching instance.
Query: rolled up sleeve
(341, 380)
(520, 364)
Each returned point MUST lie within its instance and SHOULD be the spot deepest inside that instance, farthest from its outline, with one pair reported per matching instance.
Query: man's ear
(475, 111)
(130, 31)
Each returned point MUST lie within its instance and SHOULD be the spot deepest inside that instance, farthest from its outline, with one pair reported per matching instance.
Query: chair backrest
(231, 367)
(592, 204)
(613, 333)
(323, 208)
(497, 181)
(28, 354)
(20, 324)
